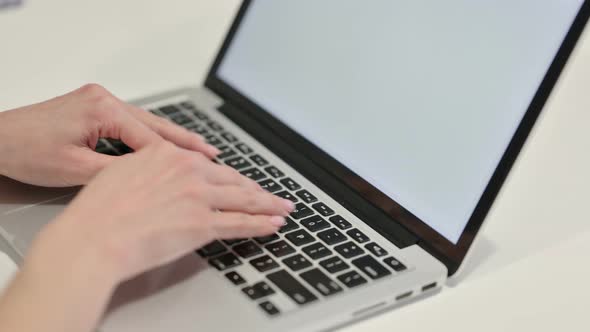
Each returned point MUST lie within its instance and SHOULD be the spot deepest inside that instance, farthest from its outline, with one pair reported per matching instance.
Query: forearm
(56, 294)
(3, 144)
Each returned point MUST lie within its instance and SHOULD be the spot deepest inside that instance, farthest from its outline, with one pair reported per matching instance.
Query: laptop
(391, 125)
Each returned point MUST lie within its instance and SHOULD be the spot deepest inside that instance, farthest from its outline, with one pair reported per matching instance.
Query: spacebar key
(293, 288)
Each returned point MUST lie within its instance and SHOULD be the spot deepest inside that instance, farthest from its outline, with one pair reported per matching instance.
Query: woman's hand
(145, 210)
(52, 143)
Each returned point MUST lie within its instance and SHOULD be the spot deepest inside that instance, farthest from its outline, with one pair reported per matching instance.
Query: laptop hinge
(374, 217)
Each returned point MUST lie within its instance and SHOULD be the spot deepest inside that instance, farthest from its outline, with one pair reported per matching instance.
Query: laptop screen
(419, 98)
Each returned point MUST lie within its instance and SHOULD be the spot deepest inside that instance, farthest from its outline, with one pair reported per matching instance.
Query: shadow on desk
(482, 250)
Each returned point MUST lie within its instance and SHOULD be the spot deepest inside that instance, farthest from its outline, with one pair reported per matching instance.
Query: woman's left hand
(52, 143)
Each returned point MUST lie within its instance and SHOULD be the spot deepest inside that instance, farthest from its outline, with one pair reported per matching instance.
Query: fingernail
(277, 221)
(290, 206)
(213, 150)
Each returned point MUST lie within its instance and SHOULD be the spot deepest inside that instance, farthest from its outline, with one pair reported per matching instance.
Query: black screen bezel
(450, 254)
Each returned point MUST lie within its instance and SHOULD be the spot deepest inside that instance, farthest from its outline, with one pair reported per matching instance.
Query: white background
(530, 268)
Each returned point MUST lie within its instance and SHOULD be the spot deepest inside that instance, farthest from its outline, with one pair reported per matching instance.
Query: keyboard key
(289, 226)
(254, 174)
(323, 209)
(316, 251)
(297, 262)
(332, 236)
(266, 239)
(124, 149)
(233, 241)
(301, 211)
(180, 119)
(168, 110)
(287, 195)
(251, 292)
(258, 160)
(269, 308)
(321, 282)
(108, 151)
(300, 237)
(371, 267)
(340, 222)
(235, 278)
(290, 184)
(199, 115)
(270, 186)
(238, 163)
(120, 146)
(357, 235)
(198, 129)
(306, 196)
(352, 279)
(247, 249)
(213, 140)
(274, 172)
(349, 250)
(226, 152)
(229, 137)
(334, 264)
(394, 264)
(315, 223)
(188, 105)
(264, 263)
(375, 249)
(263, 288)
(280, 249)
(243, 148)
(100, 144)
(258, 290)
(215, 126)
(225, 261)
(212, 249)
(290, 286)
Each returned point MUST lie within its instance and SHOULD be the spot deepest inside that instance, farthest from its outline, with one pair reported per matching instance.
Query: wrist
(3, 145)
(58, 249)
(59, 299)
(67, 284)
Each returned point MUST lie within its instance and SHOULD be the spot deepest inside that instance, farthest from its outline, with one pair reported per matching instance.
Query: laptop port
(403, 296)
(369, 309)
(429, 286)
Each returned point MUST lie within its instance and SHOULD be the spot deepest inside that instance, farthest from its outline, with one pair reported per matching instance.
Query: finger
(239, 199)
(226, 176)
(174, 133)
(131, 131)
(231, 225)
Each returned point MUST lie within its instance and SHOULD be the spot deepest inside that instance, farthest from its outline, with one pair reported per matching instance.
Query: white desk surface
(529, 271)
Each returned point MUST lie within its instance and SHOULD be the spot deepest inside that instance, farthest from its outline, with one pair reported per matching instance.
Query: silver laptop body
(196, 292)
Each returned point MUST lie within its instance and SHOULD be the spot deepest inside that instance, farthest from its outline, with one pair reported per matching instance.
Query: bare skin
(165, 200)
(52, 143)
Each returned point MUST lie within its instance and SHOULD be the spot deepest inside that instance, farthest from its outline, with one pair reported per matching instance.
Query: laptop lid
(420, 106)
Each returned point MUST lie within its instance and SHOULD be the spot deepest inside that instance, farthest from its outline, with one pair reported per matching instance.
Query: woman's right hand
(157, 205)
(145, 210)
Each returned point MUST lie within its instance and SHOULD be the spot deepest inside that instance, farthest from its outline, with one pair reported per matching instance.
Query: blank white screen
(420, 98)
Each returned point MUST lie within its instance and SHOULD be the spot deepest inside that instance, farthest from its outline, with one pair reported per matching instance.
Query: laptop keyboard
(322, 254)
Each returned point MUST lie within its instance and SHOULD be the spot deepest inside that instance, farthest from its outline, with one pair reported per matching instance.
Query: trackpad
(25, 209)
